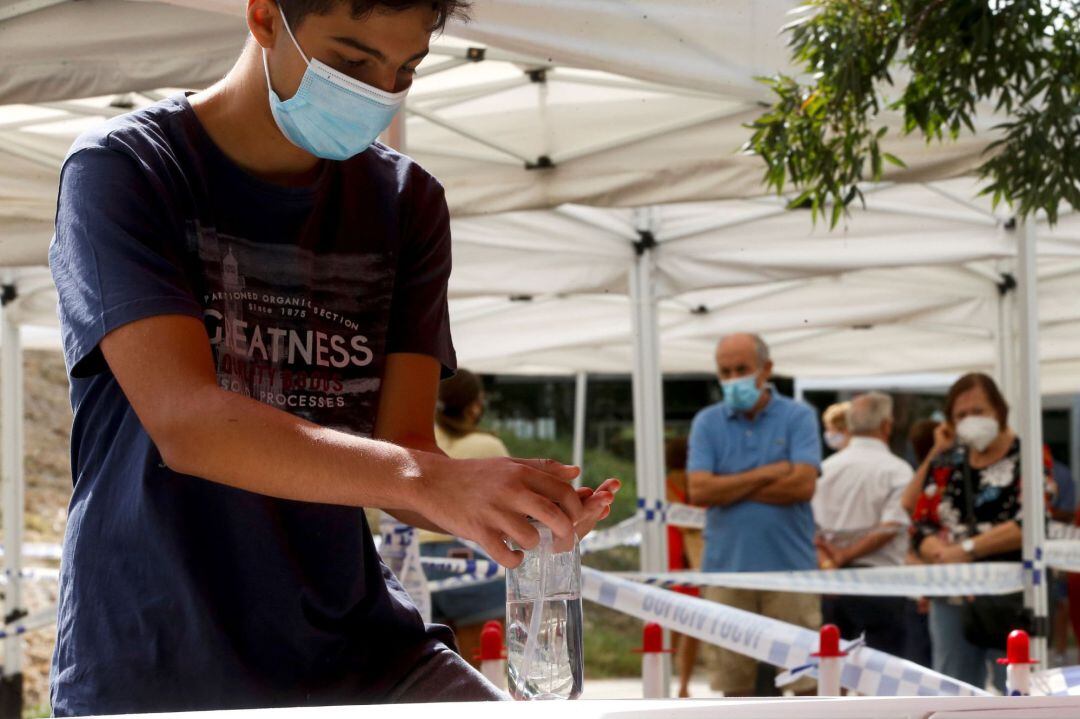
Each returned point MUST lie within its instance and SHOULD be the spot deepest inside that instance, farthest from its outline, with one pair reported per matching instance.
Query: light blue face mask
(741, 394)
(332, 115)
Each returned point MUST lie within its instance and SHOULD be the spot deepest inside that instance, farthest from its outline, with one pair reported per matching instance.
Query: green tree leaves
(958, 58)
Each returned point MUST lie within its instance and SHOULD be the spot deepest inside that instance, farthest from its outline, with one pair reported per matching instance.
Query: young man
(252, 296)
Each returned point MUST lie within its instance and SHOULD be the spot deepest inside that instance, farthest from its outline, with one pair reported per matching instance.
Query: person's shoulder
(142, 134)
(898, 464)
(835, 461)
(481, 445)
(397, 170)
(485, 439)
(795, 409)
(712, 413)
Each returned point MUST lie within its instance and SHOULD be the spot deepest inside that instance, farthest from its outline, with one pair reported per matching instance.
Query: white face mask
(977, 432)
(835, 440)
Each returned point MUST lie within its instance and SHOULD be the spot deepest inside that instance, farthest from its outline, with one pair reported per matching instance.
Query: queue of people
(755, 462)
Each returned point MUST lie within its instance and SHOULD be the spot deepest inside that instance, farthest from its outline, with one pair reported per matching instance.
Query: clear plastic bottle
(545, 657)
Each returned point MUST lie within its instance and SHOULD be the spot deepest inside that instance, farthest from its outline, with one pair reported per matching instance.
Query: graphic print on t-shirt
(295, 329)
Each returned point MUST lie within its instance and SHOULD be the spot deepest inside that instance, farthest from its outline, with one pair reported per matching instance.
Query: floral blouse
(942, 506)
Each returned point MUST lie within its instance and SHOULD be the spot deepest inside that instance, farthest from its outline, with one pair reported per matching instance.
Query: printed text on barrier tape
(1063, 554)
(928, 580)
(1060, 530)
(866, 670)
(683, 515)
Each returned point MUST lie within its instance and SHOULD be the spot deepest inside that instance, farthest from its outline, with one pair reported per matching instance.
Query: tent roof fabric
(548, 127)
(912, 283)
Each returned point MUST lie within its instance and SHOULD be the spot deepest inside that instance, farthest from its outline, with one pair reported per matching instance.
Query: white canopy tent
(915, 282)
(516, 130)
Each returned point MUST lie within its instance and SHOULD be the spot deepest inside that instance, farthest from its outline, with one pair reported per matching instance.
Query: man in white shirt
(862, 523)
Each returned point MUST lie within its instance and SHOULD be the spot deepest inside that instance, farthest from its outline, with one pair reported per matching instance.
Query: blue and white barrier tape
(866, 670)
(465, 580)
(810, 669)
(480, 568)
(927, 580)
(39, 550)
(626, 533)
(1063, 554)
(33, 574)
(1060, 530)
(684, 515)
(1063, 682)
(652, 511)
(40, 619)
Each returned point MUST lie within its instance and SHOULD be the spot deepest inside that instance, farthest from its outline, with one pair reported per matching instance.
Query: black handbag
(988, 619)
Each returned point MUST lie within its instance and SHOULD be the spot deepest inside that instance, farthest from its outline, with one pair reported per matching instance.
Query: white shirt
(860, 488)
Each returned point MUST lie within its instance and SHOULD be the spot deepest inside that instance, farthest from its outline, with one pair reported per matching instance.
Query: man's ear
(766, 372)
(263, 19)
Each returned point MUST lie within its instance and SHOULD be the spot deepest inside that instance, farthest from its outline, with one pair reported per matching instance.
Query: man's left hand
(597, 505)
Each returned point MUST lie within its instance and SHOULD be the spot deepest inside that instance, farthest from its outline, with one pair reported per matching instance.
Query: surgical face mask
(332, 116)
(835, 440)
(741, 394)
(977, 432)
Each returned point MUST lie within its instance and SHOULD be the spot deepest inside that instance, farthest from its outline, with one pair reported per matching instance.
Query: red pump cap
(829, 643)
(491, 642)
(652, 640)
(1018, 649)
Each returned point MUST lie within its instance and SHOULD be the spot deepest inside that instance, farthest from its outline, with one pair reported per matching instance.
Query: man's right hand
(486, 500)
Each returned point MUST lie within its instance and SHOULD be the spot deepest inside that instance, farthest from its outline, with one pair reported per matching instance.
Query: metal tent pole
(1031, 441)
(580, 389)
(648, 404)
(1074, 437)
(1006, 339)
(11, 465)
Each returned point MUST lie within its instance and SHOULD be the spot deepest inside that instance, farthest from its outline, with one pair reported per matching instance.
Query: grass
(599, 465)
(610, 636)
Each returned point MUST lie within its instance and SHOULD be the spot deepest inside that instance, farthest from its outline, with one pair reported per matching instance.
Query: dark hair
(297, 10)
(455, 395)
(675, 450)
(921, 436)
(978, 380)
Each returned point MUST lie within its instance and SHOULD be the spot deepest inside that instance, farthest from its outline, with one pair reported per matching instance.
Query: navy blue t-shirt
(177, 593)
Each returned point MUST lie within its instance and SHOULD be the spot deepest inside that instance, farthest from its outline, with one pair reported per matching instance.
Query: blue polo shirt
(752, 536)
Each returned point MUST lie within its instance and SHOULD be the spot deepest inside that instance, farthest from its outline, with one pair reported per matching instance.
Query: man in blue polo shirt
(754, 459)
